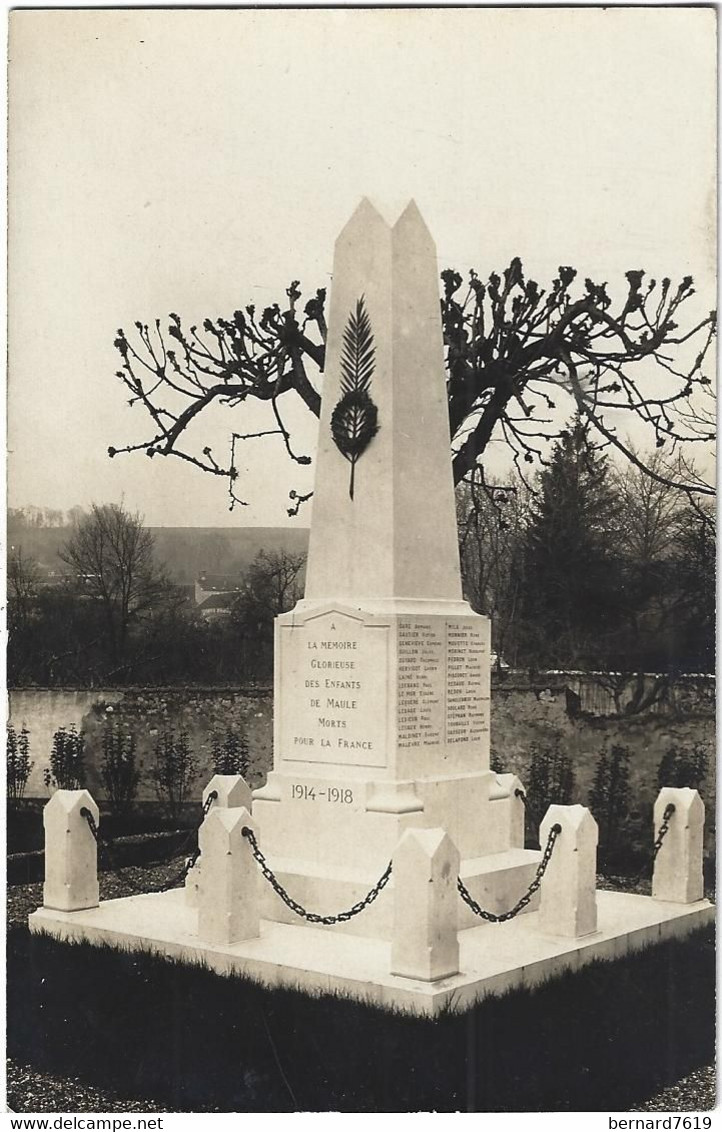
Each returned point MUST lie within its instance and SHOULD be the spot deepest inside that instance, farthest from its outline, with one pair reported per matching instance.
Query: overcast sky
(195, 161)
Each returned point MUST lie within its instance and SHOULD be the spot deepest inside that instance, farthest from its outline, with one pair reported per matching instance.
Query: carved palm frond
(354, 421)
(357, 354)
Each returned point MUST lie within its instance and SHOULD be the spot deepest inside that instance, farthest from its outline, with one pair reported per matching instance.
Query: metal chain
(312, 917)
(521, 904)
(105, 843)
(643, 872)
(529, 810)
(663, 829)
(105, 851)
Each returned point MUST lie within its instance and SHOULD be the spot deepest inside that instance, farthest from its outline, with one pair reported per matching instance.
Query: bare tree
(491, 521)
(23, 578)
(654, 525)
(273, 584)
(651, 510)
(512, 348)
(111, 553)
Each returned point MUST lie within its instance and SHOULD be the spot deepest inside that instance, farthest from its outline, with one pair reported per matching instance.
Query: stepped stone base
(495, 881)
(493, 958)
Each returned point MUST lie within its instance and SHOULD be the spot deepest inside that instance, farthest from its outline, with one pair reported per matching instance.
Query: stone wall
(43, 711)
(523, 715)
(520, 716)
(147, 712)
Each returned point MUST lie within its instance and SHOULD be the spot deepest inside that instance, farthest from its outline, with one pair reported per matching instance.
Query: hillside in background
(186, 551)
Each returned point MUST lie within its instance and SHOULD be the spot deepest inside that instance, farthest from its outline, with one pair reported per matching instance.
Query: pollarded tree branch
(512, 349)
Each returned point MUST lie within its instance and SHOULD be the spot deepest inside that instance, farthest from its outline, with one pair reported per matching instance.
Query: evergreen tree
(67, 768)
(570, 565)
(230, 752)
(609, 799)
(549, 781)
(682, 766)
(119, 770)
(175, 769)
(696, 577)
(18, 762)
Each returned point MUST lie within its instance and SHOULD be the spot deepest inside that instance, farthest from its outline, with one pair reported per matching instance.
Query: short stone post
(228, 899)
(568, 905)
(71, 852)
(231, 791)
(678, 864)
(507, 813)
(425, 942)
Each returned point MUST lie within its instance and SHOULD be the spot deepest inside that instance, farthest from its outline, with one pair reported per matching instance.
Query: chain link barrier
(104, 847)
(491, 917)
(663, 829)
(312, 917)
(643, 872)
(530, 812)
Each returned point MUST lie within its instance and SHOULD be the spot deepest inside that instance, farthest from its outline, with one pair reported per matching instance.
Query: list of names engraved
(466, 706)
(442, 681)
(421, 647)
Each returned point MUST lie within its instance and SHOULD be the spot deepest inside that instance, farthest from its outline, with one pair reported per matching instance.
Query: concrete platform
(494, 958)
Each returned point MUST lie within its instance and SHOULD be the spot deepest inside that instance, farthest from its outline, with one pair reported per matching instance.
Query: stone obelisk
(396, 538)
(381, 710)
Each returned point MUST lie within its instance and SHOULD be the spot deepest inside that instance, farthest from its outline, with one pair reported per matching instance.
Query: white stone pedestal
(381, 724)
(71, 853)
(425, 944)
(493, 959)
(678, 873)
(568, 890)
(228, 890)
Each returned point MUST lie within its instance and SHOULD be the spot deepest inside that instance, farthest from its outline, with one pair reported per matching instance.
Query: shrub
(18, 762)
(683, 767)
(495, 762)
(174, 770)
(67, 770)
(118, 768)
(230, 753)
(609, 798)
(550, 780)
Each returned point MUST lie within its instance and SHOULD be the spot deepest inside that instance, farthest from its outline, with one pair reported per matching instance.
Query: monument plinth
(382, 671)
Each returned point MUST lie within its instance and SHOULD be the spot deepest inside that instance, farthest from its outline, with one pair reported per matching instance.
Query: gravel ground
(695, 1093)
(30, 1091)
(25, 898)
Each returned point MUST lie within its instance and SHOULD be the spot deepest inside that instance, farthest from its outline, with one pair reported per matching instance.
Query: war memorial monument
(382, 858)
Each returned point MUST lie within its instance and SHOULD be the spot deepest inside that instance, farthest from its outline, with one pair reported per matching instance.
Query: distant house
(216, 606)
(215, 594)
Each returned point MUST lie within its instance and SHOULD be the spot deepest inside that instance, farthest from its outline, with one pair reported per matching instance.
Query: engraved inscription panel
(443, 688)
(332, 693)
(421, 691)
(467, 665)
